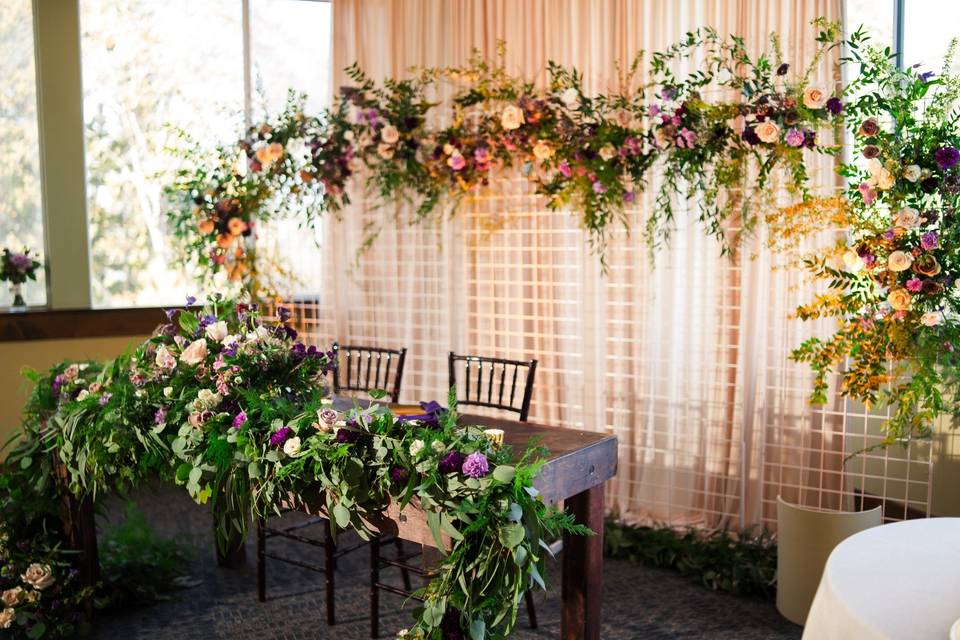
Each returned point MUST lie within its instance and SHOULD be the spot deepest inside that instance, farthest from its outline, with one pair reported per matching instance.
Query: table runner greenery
(231, 406)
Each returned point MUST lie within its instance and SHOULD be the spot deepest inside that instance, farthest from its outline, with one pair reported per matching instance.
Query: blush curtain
(684, 357)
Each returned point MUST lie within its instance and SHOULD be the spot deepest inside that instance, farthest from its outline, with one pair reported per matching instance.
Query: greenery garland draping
(589, 153)
(232, 407)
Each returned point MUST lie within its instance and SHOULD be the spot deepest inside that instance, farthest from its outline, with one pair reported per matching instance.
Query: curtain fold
(684, 359)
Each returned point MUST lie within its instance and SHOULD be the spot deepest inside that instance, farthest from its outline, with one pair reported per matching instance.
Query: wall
(41, 354)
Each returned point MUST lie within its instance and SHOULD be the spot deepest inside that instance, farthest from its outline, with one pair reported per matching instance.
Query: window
(928, 28)
(151, 67)
(21, 214)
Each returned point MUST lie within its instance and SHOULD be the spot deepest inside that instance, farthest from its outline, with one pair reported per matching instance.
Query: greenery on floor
(743, 563)
(137, 566)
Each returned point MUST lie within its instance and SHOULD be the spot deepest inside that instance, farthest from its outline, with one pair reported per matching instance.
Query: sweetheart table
(899, 580)
(579, 464)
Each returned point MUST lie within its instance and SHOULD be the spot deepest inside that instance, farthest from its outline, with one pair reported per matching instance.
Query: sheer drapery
(685, 360)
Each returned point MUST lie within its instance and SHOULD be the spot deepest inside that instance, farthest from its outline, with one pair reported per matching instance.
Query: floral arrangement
(17, 268)
(893, 280)
(590, 153)
(227, 403)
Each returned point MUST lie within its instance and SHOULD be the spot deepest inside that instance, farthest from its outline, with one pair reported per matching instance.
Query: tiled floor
(638, 602)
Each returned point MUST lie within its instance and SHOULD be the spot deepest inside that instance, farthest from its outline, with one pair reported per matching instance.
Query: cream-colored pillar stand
(805, 538)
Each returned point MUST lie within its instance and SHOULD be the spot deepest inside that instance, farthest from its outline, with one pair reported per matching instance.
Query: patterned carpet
(638, 602)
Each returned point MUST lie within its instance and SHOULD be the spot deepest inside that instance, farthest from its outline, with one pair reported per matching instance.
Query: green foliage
(137, 567)
(738, 563)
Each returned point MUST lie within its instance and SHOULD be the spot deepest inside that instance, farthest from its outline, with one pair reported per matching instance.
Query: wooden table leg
(583, 569)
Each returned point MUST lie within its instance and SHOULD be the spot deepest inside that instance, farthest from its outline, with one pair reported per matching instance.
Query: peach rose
(899, 261)
(11, 597)
(542, 150)
(931, 319)
(39, 576)
(767, 132)
(814, 97)
(899, 299)
(908, 218)
(195, 353)
(206, 226)
(390, 134)
(385, 151)
(6, 617)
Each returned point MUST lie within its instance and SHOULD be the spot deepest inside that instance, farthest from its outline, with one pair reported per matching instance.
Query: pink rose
(195, 353)
(165, 359)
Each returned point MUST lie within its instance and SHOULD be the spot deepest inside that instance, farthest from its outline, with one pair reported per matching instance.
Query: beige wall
(40, 355)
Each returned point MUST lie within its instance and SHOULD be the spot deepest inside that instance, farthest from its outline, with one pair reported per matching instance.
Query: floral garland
(231, 406)
(588, 153)
(893, 279)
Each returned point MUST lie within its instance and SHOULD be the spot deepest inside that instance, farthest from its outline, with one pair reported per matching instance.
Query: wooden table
(579, 464)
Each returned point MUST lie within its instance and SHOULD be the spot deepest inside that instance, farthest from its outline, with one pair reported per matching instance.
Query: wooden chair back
(497, 383)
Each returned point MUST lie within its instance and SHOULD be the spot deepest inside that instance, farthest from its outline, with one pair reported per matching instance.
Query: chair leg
(329, 548)
(403, 572)
(261, 559)
(374, 590)
(531, 608)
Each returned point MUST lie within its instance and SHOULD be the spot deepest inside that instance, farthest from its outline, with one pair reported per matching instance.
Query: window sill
(45, 324)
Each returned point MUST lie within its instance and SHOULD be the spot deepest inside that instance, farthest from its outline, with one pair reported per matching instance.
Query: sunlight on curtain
(685, 360)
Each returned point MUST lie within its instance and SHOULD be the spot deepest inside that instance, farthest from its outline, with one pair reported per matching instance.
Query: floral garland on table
(228, 404)
(589, 153)
(894, 279)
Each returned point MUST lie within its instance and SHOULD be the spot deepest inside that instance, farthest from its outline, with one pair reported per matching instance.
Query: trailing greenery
(228, 404)
(743, 563)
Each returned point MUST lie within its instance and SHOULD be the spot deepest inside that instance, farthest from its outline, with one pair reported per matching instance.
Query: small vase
(18, 302)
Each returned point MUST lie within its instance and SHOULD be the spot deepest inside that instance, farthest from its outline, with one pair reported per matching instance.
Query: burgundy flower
(782, 69)
(346, 436)
(834, 105)
(869, 127)
(399, 475)
(871, 151)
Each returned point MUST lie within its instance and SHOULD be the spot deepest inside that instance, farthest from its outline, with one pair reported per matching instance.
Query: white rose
(852, 261)
(195, 353)
(389, 134)
(416, 447)
(931, 319)
(348, 135)
(83, 395)
(167, 392)
(438, 447)
(385, 151)
(908, 218)
(911, 172)
(814, 97)
(208, 399)
(542, 150)
(511, 118)
(607, 152)
(768, 132)
(570, 98)
(899, 261)
(230, 339)
(217, 331)
(11, 597)
(292, 446)
(6, 617)
(165, 359)
(39, 576)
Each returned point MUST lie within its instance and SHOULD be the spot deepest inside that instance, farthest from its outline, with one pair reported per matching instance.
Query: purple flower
(929, 240)
(160, 416)
(20, 261)
(926, 75)
(599, 187)
(947, 157)
(476, 465)
(794, 138)
(889, 234)
(929, 185)
(190, 301)
(105, 398)
(629, 196)
(346, 436)
(281, 436)
(398, 474)
(283, 313)
(564, 169)
(451, 462)
(750, 136)
(914, 285)
(834, 105)
(240, 419)
(207, 320)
